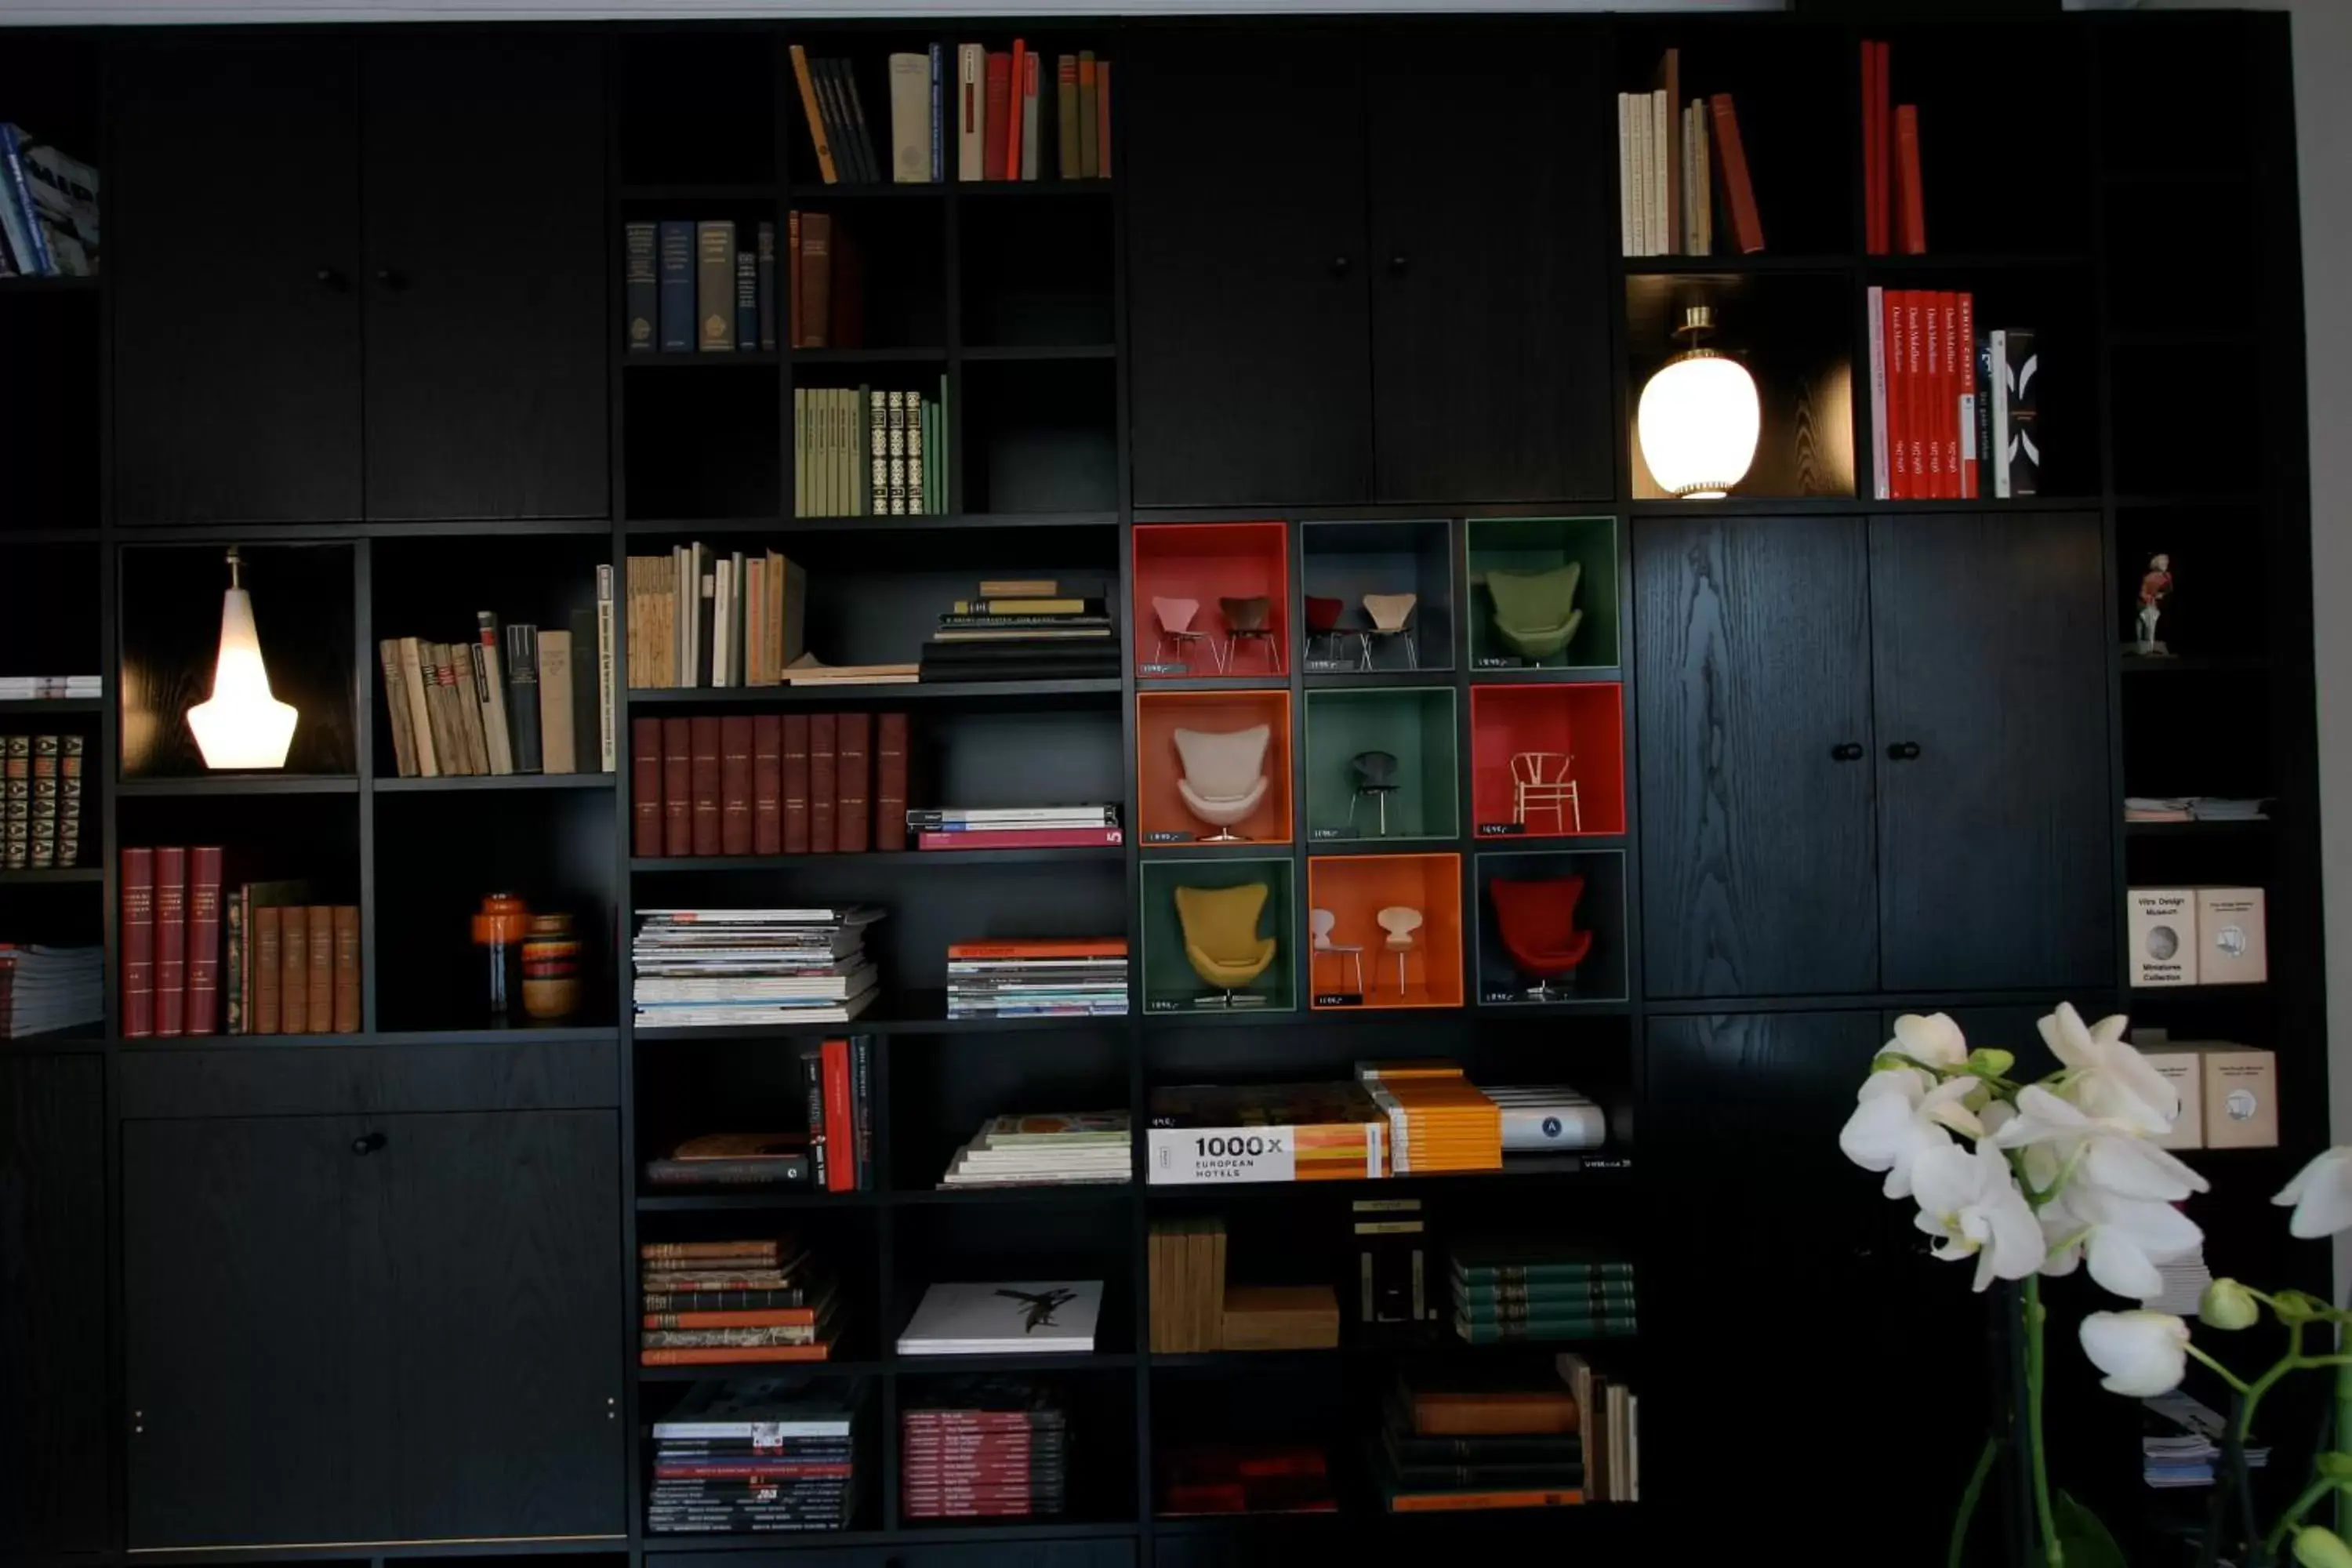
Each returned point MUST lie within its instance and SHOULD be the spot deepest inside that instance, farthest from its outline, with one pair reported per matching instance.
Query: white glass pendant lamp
(1698, 417)
(241, 725)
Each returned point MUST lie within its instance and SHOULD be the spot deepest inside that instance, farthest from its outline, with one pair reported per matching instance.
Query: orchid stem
(2052, 1554)
(1968, 1496)
(2302, 1505)
(2226, 1375)
(2343, 1434)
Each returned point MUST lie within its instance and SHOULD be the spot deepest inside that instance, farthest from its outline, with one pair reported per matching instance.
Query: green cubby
(1171, 985)
(1415, 725)
(1534, 545)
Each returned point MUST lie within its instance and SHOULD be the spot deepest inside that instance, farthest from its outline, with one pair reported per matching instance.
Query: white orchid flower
(1932, 1038)
(2111, 1154)
(1896, 1121)
(2105, 1077)
(1970, 1201)
(2321, 1194)
(2123, 1238)
(2143, 1354)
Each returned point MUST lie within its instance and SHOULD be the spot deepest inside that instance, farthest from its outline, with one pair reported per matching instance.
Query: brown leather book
(1747, 227)
(346, 1015)
(204, 953)
(703, 778)
(138, 943)
(269, 924)
(293, 969)
(796, 784)
(677, 788)
(646, 787)
(825, 767)
(1492, 1413)
(321, 928)
(853, 782)
(767, 784)
(735, 785)
(816, 280)
(890, 781)
(705, 1251)
(171, 941)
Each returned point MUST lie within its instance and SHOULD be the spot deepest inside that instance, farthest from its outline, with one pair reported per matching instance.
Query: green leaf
(2085, 1540)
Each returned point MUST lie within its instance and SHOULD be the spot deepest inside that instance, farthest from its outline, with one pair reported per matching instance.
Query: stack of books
(1024, 629)
(1038, 977)
(693, 287)
(37, 687)
(1954, 411)
(513, 700)
(710, 1303)
(49, 210)
(1540, 1289)
(40, 801)
(1546, 1119)
(2182, 1442)
(774, 1455)
(863, 451)
(699, 617)
(1043, 1149)
(733, 1160)
(1014, 826)
(723, 968)
(1255, 1477)
(996, 1318)
(43, 989)
(1682, 171)
(836, 1084)
(967, 113)
(1437, 1120)
(1456, 1440)
(985, 1448)
(293, 966)
(1223, 1133)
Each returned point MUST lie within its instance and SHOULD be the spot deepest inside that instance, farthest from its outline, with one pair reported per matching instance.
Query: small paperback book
(987, 1318)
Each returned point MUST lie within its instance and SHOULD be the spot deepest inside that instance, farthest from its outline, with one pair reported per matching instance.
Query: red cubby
(1584, 720)
(1207, 562)
(1356, 888)
(1162, 816)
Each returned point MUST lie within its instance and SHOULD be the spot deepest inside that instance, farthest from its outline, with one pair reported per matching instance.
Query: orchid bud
(1887, 1061)
(1992, 1060)
(2295, 1307)
(2226, 1304)
(2316, 1546)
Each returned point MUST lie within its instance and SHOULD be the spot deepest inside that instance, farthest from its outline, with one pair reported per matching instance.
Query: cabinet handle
(333, 280)
(1338, 266)
(367, 1143)
(1903, 752)
(392, 278)
(1846, 751)
(1396, 265)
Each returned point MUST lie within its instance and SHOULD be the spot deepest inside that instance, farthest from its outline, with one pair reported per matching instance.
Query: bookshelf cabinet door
(1490, 223)
(484, 160)
(1250, 350)
(53, 1359)
(1753, 637)
(232, 250)
(1996, 824)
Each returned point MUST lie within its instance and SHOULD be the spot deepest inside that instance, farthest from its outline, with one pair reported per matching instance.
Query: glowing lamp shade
(241, 725)
(1698, 420)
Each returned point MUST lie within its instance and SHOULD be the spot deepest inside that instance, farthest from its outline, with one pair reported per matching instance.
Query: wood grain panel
(257, 1079)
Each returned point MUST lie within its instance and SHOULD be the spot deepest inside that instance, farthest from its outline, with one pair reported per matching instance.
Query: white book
(1662, 155)
(971, 110)
(1999, 356)
(1627, 241)
(987, 1318)
(1562, 1125)
(722, 621)
(1879, 480)
(605, 760)
(1642, 246)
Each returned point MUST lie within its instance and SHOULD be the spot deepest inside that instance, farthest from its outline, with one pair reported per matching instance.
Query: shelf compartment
(1586, 722)
(2217, 616)
(50, 338)
(888, 284)
(1172, 985)
(1599, 912)
(1207, 563)
(1357, 889)
(1038, 434)
(1162, 816)
(695, 116)
(1414, 725)
(941, 1093)
(1350, 560)
(1037, 277)
(1541, 544)
(704, 446)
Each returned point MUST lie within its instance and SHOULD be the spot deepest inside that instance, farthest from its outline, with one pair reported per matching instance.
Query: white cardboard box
(2183, 1068)
(2241, 1098)
(2164, 949)
(2232, 941)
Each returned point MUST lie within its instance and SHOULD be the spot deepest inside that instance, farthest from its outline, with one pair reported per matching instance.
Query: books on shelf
(1952, 407)
(1194, 1479)
(1220, 1133)
(2195, 809)
(986, 112)
(514, 699)
(774, 1454)
(768, 783)
(1895, 210)
(825, 272)
(984, 1448)
(837, 1086)
(32, 688)
(704, 286)
(864, 451)
(1037, 978)
(1014, 826)
(733, 1160)
(994, 1317)
(48, 209)
(1683, 178)
(43, 989)
(1455, 1439)
(801, 1323)
(1437, 1121)
(1046, 630)
(1537, 1289)
(702, 617)
(40, 801)
(1044, 1149)
(262, 959)
(720, 968)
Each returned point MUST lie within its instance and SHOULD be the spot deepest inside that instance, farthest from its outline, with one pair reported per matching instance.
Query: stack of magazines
(1038, 977)
(717, 968)
(43, 989)
(1045, 1150)
(775, 1455)
(1014, 826)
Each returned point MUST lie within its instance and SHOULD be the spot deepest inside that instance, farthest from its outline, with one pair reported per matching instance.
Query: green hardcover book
(1547, 1329)
(1546, 1312)
(945, 449)
(800, 452)
(1597, 1291)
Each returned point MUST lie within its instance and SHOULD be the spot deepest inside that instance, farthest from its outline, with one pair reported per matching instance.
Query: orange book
(815, 120)
(1461, 1503)
(1041, 947)
(722, 1355)
(1494, 1413)
(739, 1318)
(1008, 158)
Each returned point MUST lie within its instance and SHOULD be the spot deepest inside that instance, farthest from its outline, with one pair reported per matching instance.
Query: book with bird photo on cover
(988, 1318)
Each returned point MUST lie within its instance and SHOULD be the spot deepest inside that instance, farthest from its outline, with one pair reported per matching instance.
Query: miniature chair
(1221, 934)
(1175, 617)
(1535, 612)
(1536, 923)
(1391, 615)
(1375, 776)
(1246, 620)
(1224, 776)
(1540, 781)
(1319, 922)
(1323, 621)
(1399, 923)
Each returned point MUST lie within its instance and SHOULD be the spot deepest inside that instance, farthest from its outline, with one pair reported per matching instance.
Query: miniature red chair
(1536, 922)
(1323, 621)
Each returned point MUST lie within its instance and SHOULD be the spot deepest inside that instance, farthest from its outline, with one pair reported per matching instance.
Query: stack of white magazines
(732, 967)
(1547, 1118)
(992, 1318)
(1058, 1149)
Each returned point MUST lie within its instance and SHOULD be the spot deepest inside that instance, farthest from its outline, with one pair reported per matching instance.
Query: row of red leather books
(259, 960)
(768, 783)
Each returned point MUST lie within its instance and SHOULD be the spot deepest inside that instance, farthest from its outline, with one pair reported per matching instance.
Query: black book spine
(861, 1081)
(644, 288)
(860, 126)
(747, 300)
(522, 696)
(767, 277)
(812, 1059)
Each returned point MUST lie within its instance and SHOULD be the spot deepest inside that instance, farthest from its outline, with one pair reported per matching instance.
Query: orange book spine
(346, 925)
(721, 1355)
(743, 1318)
(1465, 1502)
(1106, 947)
(674, 1251)
(815, 120)
(322, 970)
(293, 970)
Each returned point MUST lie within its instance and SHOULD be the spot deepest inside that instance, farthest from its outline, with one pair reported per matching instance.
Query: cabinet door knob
(1396, 265)
(367, 1143)
(1903, 752)
(1846, 751)
(392, 277)
(1338, 266)
(332, 279)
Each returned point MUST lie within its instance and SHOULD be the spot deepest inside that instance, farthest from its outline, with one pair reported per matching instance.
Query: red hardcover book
(1964, 342)
(735, 785)
(204, 938)
(1890, 334)
(1873, 148)
(853, 782)
(1931, 388)
(796, 784)
(1017, 67)
(171, 941)
(645, 786)
(890, 780)
(1915, 392)
(1000, 103)
(677, 788)
(704, 780)
(1102, 118)
(138, 943)
(767, 784)
(840, 1127)
(1912, 214)
(1748, 227)
(1021, 838)
(824, 731)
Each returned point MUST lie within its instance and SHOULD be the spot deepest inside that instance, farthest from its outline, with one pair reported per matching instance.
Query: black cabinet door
(1995, 812)
(1754, 746)
(253, 1285)
(506, 1309)
(485, 276)
(1489, 267)
(233, 252)
(52, 1306)
(1249, 355)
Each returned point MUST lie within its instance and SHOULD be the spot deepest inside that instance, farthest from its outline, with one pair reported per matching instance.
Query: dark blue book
(767, 265)
(677, 284)
(747, 300)
(939, 113)
(641, 293)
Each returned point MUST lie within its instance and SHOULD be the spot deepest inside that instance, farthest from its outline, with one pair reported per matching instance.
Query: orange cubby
(1396, 962)
(1548, 760)
(1227, 790)
(1234, 576)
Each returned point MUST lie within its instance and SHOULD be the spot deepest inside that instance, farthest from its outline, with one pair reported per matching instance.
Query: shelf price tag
(1162, 836)
(1502, 829)
(1199, 1157)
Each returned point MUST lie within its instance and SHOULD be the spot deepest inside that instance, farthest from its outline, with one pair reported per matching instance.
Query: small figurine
(2155, 588)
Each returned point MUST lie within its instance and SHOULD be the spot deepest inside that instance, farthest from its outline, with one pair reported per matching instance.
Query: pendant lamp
(1698, 417)
(241, 725)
